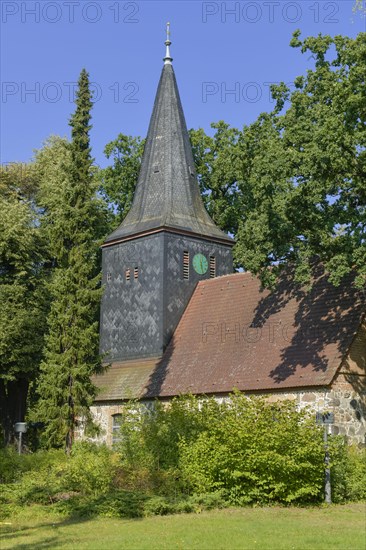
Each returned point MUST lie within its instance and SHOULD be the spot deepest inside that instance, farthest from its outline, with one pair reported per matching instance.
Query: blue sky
(217, 47)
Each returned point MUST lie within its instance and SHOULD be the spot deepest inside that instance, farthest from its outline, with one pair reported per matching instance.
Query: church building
(176, 319)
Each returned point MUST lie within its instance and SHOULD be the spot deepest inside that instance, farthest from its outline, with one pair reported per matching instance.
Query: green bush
(115, 504)
(10, 465)
(348, 474)
(150, 437)
(257, 452)
(195, 454)
(46, 477)
(254, 450)
(13, 466)
(90, 469)
(159, 506)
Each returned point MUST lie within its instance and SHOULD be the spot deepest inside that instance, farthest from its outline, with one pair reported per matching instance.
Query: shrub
(90, 469)
(159, 506)
(48, 476)
(348, 474)
(14, 466)
(253, 450)
(115, 504)
(195, 454)
(257, 452)
(150, 437)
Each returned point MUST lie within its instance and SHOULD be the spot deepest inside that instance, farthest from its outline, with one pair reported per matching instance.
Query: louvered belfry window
(212, 266)
(136, 273)
(128, 274)
(186, 264)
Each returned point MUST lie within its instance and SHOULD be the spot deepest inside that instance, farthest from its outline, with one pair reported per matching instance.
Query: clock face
(200, 264)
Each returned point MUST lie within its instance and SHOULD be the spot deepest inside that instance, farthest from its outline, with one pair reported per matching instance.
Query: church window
(186, 264)
(136, 273)
(128, 274)
(109, 277)
(116, 428)
(212, 266)
(156, 168)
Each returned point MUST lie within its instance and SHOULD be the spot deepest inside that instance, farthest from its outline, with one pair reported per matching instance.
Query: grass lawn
(330, 527)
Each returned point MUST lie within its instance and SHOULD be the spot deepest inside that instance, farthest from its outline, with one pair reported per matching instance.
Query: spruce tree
(71, 352)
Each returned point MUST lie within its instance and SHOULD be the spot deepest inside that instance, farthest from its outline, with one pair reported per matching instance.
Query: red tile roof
(234, 334)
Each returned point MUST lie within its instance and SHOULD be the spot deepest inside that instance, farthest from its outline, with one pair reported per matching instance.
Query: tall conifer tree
(71, 354)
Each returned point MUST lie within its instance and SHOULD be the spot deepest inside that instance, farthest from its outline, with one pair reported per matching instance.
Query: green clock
(200, 264)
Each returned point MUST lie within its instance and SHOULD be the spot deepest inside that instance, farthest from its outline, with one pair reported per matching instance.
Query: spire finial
(167, 59)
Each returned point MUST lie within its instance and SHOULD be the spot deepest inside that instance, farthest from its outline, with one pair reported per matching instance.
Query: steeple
(167, 195)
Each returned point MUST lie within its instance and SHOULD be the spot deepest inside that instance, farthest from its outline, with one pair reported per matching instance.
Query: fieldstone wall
(347, 405)
(346, 399)
(103, 417)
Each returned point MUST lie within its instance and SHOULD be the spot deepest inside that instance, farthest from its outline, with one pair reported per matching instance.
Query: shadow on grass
(74, 511)
(34, 536)
(36, 539)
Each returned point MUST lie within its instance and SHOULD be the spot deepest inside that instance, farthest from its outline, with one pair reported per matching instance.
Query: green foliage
(22, 311)
(217, 161)
(91, 469)
(52, 477)
(117, 182)
(244, 451)
(323, 134)
(252, 450)
(150, 437)
(115, 504)
(23, 294)
(257, 452)
(348, 472)
(290, 186)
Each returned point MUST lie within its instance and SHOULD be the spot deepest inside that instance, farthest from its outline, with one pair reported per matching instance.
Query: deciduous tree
(23, 295)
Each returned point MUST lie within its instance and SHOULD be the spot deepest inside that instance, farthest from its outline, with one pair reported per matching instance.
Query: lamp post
(326, 419)
(20, 429)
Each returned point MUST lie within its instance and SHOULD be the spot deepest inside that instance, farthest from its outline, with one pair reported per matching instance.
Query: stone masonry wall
(347, 404)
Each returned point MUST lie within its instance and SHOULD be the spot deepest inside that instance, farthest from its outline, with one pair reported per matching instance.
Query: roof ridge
(220, 277)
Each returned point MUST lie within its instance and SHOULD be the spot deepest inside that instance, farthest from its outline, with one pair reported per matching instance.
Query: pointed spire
(167, 59)
(167, 195)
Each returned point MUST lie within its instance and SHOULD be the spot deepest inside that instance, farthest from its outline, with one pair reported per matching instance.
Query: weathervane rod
(168, 59)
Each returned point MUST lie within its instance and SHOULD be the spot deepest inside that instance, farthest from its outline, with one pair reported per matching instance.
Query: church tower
(166, 243)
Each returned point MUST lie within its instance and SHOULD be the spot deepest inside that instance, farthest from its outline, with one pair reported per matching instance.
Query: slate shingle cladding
(139, 316)
(167, 217)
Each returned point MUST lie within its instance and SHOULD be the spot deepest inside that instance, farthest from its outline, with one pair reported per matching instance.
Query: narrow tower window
(136, 273)
(128, 274)
(109, 277)
(212, 266)
(186, 264)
